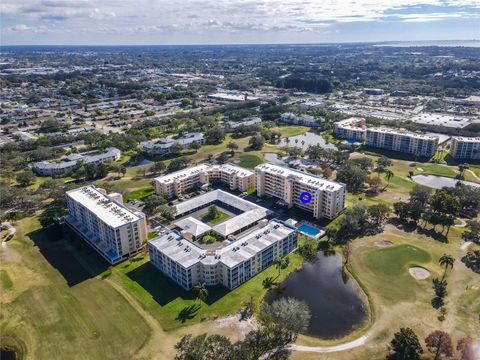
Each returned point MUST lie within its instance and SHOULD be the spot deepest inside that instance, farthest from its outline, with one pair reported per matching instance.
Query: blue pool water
(309, 230)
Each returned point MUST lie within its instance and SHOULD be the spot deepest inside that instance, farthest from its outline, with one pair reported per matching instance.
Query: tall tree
(439, 343)
(405, 346)
(201, 292)
(465, 346)
(446, 261)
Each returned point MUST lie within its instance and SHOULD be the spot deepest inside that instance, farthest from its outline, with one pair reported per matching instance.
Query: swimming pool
(309, 230)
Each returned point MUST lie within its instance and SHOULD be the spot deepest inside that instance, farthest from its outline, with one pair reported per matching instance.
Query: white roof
(442, 120)
(186, 253)
(304, 178)
(109, 211)
(402, 133)
(467, 139)
(196, 170)
(193, 226)
(251, 212)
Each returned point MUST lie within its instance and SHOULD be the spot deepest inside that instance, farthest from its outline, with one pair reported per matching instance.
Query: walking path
(329, 349)
(474, 175)
(465, 245)
(463, 223)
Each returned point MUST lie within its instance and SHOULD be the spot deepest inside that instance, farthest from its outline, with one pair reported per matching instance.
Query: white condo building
(229, 265)
(237, 178)
(402, 141)
(111, 228)
(327, 197)
(465, 148)
(351, 129)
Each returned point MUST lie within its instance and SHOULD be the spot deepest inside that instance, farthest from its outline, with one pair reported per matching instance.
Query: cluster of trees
(355, 173)
(357, 221)
(326, 156)
(472, 260)
(280, 324)
(439, 208)
(406, 345)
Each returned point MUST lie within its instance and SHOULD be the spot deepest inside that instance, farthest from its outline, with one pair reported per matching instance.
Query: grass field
(60, 299)
(139, 194)
(58, 307)
(174, 307)
(220, 216)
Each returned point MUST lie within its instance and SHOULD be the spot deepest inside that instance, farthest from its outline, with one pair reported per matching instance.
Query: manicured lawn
(57, 307)
(292, 130)
(5, 280)
(250, 161)
(139, 194)
(395, 260)
(220, 217)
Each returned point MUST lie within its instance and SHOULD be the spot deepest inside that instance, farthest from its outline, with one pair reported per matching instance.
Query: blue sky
(235, 21)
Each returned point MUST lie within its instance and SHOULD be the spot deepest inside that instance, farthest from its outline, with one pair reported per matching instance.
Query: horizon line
(251, 44)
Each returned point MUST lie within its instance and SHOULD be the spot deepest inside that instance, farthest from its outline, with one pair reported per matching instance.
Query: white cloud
(196, 17)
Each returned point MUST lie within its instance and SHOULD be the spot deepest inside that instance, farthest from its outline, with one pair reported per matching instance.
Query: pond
(335, 305)
(308, 138)
(437, 182)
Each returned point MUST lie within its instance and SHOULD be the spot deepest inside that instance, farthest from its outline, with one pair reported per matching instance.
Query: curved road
(329, 349)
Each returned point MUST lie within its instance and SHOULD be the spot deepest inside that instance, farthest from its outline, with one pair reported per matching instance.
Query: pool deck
(321, 232)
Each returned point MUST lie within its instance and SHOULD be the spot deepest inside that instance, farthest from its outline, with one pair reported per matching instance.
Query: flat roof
(251, 212)
(111, 212)
(402, 133)
(441, 120)
(186, 253)
(304, 178)
(191, 171)
(467, 139)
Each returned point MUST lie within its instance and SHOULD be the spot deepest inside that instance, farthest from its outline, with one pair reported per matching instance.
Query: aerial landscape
(239, 180)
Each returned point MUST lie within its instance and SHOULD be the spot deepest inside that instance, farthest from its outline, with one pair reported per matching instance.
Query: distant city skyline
(148, 22)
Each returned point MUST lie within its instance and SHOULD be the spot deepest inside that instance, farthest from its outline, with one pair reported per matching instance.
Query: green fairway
(57, 307)
(291, 130)
(249, 161)
(139, 194)
(394, 260)
(5, 280)
(220, 217)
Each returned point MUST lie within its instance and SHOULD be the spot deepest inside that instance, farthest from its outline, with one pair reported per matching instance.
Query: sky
(124, 22)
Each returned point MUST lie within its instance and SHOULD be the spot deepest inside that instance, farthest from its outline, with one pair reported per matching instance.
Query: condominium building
(164, 145)
(69, 162)
(465, 148)
(188, 264)
(306, 120)
(237, 178)
(321, 197)
(111, 228)
(402, 141)
(351, 129)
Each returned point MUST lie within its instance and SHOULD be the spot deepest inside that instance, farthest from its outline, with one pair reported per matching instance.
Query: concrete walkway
(330, 349)
(465, 245)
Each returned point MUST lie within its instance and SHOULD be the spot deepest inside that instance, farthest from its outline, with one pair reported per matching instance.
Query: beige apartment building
(465, 148)
(323, 198)
(112, 229)
(174, 184)
(351, 129)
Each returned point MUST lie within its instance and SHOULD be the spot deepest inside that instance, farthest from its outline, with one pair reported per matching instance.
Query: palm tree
(268, 282)
(280, 264)
(389, 174)
(446, 261)
(201, 292)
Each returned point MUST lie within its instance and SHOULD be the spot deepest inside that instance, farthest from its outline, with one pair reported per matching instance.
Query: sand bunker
(419, 273)
(383, 243)
(420, 169)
